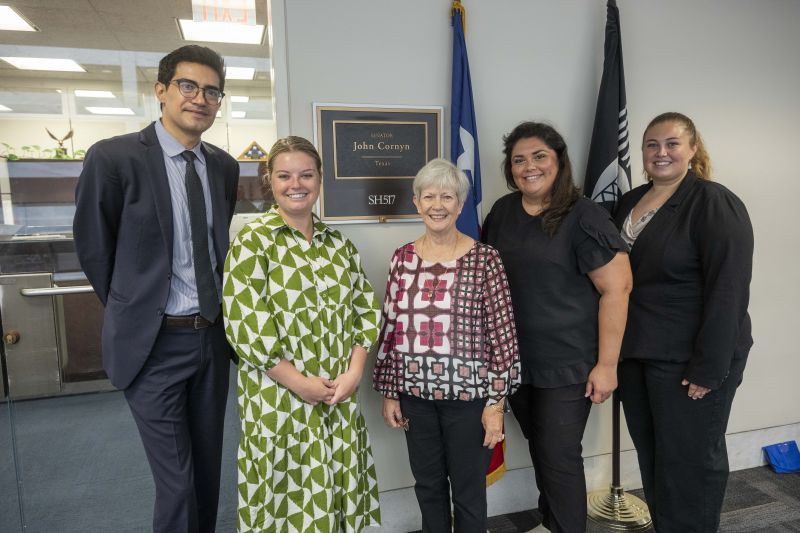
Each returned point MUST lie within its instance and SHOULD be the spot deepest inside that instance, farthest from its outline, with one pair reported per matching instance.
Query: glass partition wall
(70, 455)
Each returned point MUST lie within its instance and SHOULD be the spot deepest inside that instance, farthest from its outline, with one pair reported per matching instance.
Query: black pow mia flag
(608, 171)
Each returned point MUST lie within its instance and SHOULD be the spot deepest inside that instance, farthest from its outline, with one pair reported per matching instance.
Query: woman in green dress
(301, 316)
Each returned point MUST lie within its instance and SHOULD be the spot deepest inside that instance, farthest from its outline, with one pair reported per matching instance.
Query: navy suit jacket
(691, 266)
(123, 238)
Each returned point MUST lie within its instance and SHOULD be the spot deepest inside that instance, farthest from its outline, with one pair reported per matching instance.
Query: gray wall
(729, 64)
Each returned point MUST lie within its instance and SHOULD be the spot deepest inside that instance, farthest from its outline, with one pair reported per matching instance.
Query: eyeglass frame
(198, 89)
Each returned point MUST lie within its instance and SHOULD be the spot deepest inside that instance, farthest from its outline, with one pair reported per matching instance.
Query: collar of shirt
(273, 221)
(172, 148)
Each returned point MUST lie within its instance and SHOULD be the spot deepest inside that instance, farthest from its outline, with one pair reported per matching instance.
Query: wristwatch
(500, 407)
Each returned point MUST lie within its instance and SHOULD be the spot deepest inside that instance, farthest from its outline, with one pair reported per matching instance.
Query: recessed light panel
(240, 99)
(44, 63)
(221, 32)
(4, 108)
(13, 21)
(82, 93)
(110, 110)
(239, 73)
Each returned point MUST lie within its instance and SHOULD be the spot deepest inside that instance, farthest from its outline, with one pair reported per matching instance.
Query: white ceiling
(135, 25)
(99, 29)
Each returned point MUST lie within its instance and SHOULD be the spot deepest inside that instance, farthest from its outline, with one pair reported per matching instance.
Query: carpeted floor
(83, 470)
(757, 501)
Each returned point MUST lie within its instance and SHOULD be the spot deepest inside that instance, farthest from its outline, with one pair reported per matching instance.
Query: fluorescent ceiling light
(221, 32)
(110, 110)
(4, 108)
(238, 114)
(82, 93)
(44, 63)
(240, 99)
(13, 21)
(240, 73)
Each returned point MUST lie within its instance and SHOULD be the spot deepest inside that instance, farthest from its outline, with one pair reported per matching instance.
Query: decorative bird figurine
(61, 152)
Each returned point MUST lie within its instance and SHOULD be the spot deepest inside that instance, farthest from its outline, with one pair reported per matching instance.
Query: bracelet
(498, 407)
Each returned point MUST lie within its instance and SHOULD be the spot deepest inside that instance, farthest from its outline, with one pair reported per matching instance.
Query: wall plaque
(370, 155)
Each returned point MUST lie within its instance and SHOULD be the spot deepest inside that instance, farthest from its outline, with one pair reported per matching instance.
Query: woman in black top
(569, 276)
(688, 331)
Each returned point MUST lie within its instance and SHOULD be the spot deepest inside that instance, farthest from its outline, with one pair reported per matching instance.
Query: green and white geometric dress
(301, 467)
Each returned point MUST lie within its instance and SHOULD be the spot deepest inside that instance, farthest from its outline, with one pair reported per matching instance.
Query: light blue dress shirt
(182, 299)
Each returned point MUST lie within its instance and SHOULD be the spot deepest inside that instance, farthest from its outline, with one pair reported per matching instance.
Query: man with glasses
(151, 232)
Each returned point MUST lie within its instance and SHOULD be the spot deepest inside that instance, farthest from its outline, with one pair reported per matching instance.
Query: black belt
(188, 321)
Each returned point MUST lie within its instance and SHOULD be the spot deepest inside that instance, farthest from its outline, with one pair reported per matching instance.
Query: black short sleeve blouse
(555, 302)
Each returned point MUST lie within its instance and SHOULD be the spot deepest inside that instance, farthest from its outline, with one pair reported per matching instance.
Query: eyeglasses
(189, 89)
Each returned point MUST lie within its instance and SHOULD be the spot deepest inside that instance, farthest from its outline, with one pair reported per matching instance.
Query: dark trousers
(680, 443)
(178, 402)
(445, 449)
(553, 420)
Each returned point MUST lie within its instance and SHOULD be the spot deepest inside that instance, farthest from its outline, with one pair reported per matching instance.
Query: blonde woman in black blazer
(688, 331)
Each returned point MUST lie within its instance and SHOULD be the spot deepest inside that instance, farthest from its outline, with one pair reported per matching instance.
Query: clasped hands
(316, 389)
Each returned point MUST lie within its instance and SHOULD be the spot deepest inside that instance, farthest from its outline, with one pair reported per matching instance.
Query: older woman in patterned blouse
(301, 315)
(448, 354)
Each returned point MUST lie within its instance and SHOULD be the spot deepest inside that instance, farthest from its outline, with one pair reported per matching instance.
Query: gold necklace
(449, 257)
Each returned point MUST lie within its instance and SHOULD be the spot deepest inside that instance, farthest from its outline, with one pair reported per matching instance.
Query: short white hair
(442, 174)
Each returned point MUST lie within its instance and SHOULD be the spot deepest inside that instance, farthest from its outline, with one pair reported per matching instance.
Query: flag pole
(458, 7)
(613, 508)
(465, 155)
(607, 179)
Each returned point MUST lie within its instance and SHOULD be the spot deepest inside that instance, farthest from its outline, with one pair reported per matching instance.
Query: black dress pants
(680, 442)
(445, 449)
(553, 421)
(178, 402)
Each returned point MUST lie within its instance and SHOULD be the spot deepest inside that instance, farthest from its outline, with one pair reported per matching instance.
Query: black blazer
(692, 266)
(123, 237)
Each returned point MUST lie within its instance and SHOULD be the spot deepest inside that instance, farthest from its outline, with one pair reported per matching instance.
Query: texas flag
(463, 130)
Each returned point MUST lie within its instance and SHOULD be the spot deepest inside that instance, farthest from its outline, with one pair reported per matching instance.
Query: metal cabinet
(51, 322)
(29, 333)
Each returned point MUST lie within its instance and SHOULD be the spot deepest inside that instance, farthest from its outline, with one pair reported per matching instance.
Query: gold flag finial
(459, 8)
